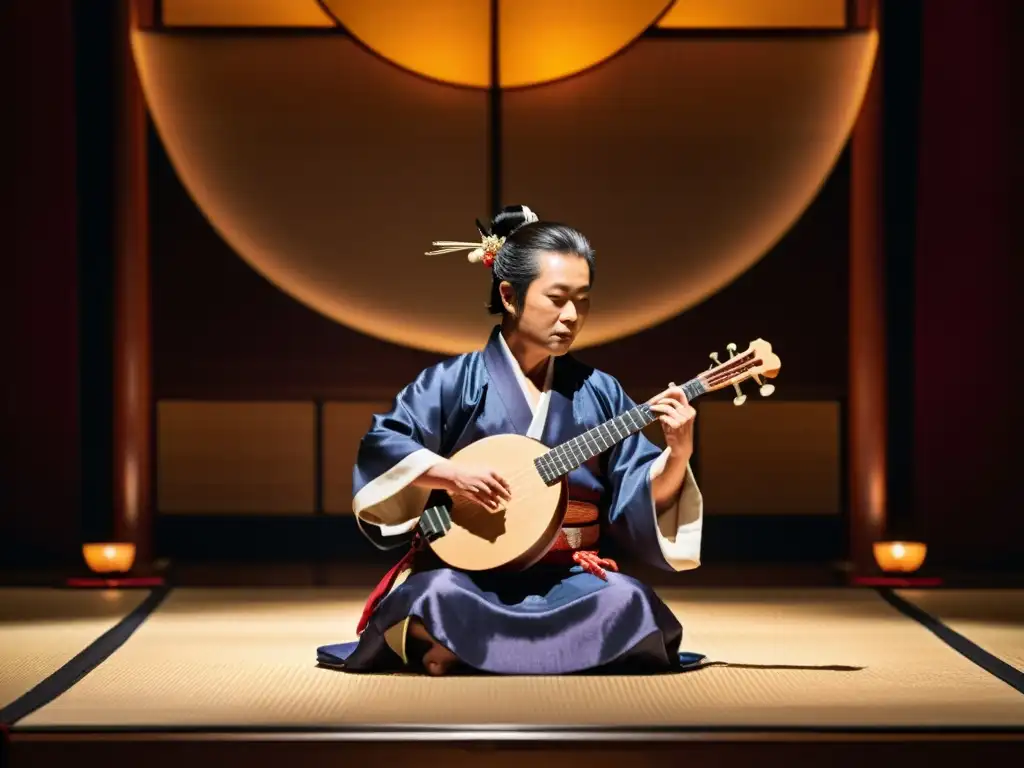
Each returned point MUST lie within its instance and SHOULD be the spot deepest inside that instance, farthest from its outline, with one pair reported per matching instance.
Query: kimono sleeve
(670, 540)
(400, 446)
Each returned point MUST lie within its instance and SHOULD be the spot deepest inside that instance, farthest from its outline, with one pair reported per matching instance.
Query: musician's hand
(676, 416)
(477, 484)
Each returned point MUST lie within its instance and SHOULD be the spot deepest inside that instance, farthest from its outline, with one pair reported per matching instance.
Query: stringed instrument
(470, 537)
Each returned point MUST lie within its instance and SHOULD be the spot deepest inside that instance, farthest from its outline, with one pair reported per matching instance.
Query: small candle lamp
(109, 557)
(113, 566)
(900, 556)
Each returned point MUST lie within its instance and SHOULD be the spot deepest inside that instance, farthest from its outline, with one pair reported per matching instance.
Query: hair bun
(511, 218)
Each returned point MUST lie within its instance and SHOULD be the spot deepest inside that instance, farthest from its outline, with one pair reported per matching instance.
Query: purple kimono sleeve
(669, 539)
(399, 447)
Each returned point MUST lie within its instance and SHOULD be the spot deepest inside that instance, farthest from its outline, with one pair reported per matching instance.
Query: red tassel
(591, 563)
(382, 589)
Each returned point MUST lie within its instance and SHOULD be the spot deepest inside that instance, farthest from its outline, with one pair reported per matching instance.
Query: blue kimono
(554, 618)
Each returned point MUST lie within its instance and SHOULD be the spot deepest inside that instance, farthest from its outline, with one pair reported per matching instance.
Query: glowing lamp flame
(109, 557)
(900, 556)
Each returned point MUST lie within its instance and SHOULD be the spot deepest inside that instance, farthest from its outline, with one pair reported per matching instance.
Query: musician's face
(557, 302)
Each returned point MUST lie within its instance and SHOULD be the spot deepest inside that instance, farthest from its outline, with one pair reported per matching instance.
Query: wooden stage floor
(213, 674)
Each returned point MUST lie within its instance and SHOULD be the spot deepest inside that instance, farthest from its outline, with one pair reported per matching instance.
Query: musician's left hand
(676, 416)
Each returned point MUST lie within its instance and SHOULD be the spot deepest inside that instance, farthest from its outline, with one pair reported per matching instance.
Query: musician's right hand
(477, 484)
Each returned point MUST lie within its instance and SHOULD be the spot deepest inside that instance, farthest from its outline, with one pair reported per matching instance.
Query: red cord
(384, 587)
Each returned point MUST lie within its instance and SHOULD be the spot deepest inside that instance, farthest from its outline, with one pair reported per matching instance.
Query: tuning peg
(740, 398)
(714, 357)
(766, 389)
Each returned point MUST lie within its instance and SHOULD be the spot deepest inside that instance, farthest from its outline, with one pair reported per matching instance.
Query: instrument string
(522, 474)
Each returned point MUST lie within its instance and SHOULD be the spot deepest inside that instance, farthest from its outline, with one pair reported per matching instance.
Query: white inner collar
(540, 410)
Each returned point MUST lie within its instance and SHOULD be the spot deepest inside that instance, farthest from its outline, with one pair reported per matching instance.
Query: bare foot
(438, 660)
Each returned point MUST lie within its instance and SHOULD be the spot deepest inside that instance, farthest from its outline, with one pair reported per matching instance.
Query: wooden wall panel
(344, 425)
(769, 458)
(240, 457)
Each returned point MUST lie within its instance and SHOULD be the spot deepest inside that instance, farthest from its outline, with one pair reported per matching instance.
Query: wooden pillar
(867, 414)
(132, 367)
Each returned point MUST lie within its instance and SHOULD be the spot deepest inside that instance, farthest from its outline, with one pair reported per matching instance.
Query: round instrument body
(519, 535)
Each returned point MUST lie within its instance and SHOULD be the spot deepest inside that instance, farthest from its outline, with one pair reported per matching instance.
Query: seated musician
(573, 611)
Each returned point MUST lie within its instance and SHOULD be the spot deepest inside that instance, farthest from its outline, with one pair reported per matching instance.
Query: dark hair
(525, 237)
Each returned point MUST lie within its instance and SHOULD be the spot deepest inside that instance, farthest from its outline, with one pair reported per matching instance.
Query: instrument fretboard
(564, 458)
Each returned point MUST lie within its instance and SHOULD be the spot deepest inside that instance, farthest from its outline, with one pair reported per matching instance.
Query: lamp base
(902, 582)
(139, 576)
(126, 581)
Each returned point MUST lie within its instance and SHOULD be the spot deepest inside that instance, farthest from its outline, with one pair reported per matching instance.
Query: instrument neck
(572, 454)
(436, 521)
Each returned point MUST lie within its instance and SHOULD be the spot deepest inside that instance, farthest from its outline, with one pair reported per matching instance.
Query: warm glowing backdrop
(330, 171)
(299, 170)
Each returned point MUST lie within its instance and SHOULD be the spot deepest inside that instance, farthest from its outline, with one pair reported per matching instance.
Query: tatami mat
(230, 658)
(43, 629)
(990, 618)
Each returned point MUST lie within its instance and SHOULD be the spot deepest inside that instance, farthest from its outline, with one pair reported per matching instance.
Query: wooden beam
(866, 417)
(132, 345)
